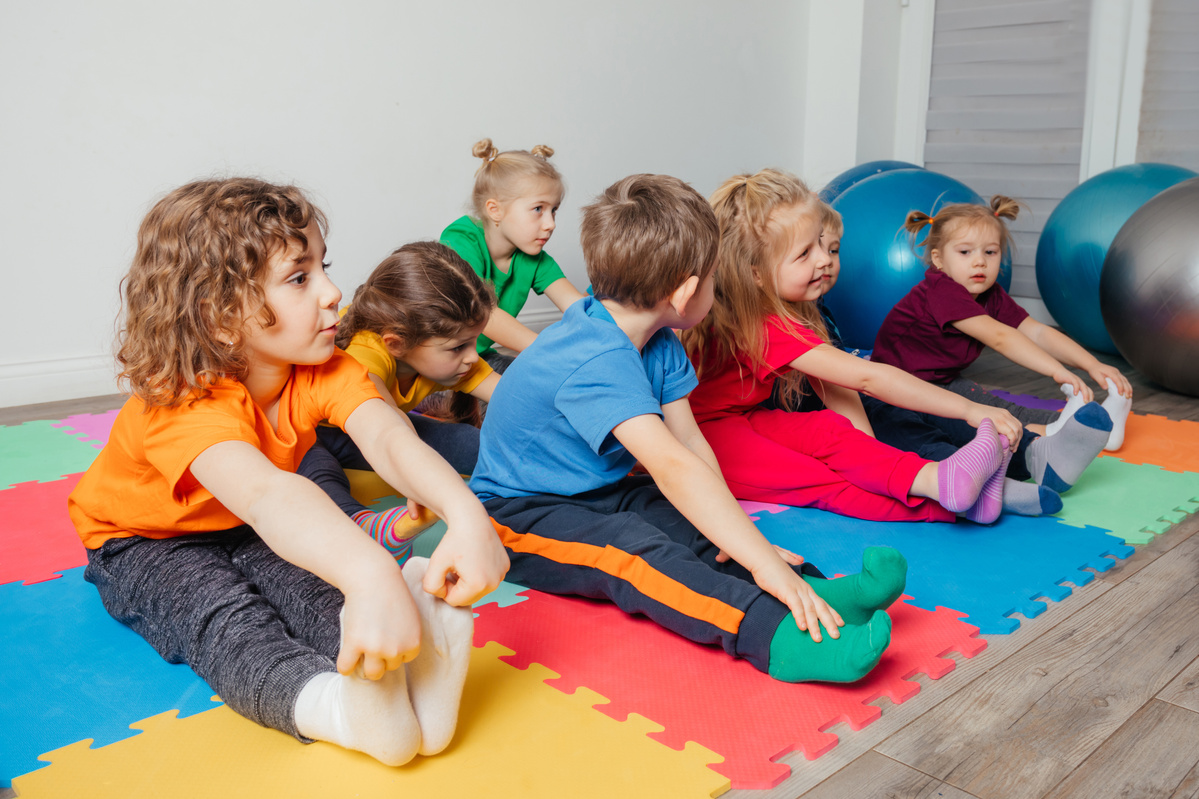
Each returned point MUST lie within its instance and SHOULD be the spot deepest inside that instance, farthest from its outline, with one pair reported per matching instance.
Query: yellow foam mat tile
(516, 737)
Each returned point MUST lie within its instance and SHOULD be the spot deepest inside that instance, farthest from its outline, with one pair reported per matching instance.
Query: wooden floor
(1096, 697)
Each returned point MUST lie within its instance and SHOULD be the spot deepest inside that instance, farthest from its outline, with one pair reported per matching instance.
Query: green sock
(857, 596)
(795, 657)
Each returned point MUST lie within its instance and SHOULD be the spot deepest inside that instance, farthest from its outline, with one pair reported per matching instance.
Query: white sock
(1118, 408)
(371, 716)
(1073, 403)
(436, 676)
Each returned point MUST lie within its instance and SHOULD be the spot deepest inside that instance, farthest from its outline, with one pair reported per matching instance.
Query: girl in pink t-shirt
(764, 327)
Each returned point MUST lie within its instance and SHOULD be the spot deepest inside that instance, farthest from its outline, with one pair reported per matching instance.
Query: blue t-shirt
(548, 428)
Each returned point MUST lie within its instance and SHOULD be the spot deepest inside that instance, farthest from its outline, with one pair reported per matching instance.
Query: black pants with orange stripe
(628, 544)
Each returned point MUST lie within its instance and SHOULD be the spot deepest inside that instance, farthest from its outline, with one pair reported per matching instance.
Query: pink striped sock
(961, 476)
(990, 500)
(380, 526)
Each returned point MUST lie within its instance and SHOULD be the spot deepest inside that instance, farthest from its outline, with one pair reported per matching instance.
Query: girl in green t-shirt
(515, 199)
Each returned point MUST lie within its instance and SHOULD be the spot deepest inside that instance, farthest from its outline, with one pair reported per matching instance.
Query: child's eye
(537, 208)
(326, 265)
(299, 278)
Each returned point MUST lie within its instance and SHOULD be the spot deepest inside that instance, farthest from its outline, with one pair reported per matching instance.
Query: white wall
(370, 104)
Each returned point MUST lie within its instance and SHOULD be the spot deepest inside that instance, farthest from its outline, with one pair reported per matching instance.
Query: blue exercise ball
(837, 186)
(1076, 239)
(879, 261)
(1149, 288)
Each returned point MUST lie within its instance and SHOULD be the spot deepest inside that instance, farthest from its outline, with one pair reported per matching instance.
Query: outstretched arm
(303, 526)
(1012, 344)
(470, 549)
(563, 293)
(503, 329)
(1069, 352)
(703, 498)
(902, 389)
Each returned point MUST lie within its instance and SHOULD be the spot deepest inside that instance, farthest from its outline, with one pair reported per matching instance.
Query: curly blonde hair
(755, 213)
(503, 174)
(197, 276)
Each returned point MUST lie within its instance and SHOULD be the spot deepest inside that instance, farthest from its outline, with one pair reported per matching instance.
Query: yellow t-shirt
(369, 350)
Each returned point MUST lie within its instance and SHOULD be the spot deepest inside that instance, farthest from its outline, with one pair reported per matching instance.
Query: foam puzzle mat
(552, 704)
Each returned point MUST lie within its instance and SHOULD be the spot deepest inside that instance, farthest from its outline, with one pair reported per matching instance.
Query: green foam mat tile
(39, 452)
(1134, 501)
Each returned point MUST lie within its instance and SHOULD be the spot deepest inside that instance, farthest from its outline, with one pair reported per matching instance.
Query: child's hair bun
(1005, 207)
(916, 221)
(484, 149)
(542, 151)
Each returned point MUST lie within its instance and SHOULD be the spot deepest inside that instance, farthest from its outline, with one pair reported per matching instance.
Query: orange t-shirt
(141, 483)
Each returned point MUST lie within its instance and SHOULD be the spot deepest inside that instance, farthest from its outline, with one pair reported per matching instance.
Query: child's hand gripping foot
(1074, 401)
(962, 476)
(396, 528)
(371, 716)
(1056, 462)
(1117, 407)
(436, 676)
(795, 657)
(857, 596)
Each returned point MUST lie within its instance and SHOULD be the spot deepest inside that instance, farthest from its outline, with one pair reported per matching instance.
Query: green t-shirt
(525, 273)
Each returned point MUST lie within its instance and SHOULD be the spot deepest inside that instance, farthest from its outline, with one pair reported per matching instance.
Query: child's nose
(331, 295)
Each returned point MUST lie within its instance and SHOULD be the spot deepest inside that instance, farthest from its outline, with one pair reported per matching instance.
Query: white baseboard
(49, 381)
(1037, 310)
(33, 382)
(539, 318)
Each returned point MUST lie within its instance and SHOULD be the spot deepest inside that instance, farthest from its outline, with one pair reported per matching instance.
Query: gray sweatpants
(255, 627)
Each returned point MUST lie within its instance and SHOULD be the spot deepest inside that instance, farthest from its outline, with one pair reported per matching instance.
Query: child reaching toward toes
(515, 199)
(199, 535)
(929, 436)
(765, 327)
(413, 324)
(606, 387)
(942, 325)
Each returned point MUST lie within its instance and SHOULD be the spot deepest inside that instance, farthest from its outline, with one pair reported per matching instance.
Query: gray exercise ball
(1149, 289)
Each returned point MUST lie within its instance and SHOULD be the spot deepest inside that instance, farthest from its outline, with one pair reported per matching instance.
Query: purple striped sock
(961, 476)
(990, 500)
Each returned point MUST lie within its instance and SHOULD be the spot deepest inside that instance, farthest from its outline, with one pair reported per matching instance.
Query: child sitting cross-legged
(607, 387)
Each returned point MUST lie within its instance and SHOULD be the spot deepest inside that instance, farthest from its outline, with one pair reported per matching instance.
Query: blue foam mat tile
(988, 572)
(70, 672)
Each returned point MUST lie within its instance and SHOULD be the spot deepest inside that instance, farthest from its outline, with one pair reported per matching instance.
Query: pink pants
(818, 459)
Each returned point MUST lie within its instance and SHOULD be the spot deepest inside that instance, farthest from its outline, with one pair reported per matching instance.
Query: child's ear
(495, 212)
(935, 257)
(395, 345)
(681, 297)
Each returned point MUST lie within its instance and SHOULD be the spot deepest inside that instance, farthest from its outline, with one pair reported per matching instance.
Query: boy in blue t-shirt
(606, 388)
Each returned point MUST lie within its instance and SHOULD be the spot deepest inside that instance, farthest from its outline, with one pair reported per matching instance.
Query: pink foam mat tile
(698, 693)
(37, 539)
(90, 427)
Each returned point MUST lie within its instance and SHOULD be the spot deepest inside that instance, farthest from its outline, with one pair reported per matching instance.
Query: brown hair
(644, 236)
(944, 221)
(502, 174)
(754, 213)
(421, 291)
(197, 276)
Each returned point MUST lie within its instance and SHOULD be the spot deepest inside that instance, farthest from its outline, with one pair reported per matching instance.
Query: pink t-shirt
(918, 335)
(732, 386)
